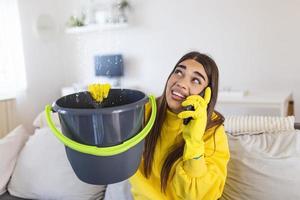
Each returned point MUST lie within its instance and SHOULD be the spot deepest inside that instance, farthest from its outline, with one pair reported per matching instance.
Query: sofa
(264, 163)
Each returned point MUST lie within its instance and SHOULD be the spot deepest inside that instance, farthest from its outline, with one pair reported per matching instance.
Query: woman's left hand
(193, 132)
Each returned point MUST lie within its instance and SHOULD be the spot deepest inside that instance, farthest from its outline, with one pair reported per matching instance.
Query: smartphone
(187, 120)
(190, 107)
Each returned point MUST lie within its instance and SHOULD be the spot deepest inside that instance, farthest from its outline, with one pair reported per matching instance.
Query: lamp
(111, 66)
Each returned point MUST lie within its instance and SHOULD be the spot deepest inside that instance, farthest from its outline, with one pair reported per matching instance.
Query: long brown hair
(176, 152)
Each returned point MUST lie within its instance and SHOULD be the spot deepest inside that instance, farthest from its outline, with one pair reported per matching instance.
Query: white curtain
(12, 69)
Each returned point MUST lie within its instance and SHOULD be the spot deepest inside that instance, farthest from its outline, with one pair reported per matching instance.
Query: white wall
(255, 44)
(42, 60)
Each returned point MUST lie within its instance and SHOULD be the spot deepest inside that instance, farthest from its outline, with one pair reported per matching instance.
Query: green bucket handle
(103, 151)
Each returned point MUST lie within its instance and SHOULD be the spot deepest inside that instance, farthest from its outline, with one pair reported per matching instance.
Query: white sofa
(264, 164)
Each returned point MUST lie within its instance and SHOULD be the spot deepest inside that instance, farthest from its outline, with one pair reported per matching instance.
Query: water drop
(77, 98)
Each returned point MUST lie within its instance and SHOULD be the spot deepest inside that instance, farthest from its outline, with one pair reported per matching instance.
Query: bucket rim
(105, 110)
(104, 151)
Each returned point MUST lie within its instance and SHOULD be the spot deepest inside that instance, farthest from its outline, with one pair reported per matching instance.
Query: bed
(264, 163)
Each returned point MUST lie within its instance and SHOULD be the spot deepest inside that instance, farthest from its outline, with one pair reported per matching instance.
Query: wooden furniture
(7, 115)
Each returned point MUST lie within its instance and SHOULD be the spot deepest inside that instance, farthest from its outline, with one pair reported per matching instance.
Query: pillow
(40, 121)
(43, 172)
(10, 146)
(264, 166)
(239, 125)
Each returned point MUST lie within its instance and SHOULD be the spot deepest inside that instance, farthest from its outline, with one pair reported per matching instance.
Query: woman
(185, 161)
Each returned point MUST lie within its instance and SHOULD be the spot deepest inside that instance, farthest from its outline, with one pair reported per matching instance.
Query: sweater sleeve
(205, 177)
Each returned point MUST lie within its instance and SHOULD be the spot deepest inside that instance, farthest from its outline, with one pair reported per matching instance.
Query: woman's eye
(196, 81)
(178, 72)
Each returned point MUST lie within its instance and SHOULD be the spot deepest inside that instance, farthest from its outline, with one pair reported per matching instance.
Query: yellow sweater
(193, 179)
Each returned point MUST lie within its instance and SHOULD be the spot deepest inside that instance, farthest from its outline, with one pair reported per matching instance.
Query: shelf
(95, 27)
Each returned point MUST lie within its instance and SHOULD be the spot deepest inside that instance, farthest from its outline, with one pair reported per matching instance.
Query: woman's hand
(193, 132)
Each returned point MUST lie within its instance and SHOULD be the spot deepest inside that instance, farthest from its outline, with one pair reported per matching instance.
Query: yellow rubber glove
(193, 132)
(99, 91)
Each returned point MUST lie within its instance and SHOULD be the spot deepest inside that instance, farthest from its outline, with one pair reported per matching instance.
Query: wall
(44, 73)
(255, 43)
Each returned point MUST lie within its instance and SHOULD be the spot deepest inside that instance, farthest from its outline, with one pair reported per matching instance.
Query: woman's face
(188, 78)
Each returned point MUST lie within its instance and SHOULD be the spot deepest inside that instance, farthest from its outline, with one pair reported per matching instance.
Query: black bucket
(103, 143)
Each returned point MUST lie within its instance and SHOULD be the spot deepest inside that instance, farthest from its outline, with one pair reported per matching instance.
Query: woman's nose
(182, 83)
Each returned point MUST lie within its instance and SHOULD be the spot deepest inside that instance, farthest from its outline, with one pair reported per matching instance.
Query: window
(12, 68)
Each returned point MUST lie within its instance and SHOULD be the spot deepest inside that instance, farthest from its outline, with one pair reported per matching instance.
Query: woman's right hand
(193, 132)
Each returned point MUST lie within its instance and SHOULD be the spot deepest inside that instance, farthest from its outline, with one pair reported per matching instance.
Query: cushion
(43, 172)
(264, 166)
(10, 146)
(40, 121)
(240, 125)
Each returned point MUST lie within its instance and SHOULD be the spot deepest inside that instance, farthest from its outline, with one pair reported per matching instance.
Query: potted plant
(122, 6)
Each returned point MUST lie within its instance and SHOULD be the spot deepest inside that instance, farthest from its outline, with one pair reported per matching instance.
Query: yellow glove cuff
(193, 151)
